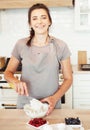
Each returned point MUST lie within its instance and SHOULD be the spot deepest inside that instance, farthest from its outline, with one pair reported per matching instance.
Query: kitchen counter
(76, 70)
(15, 119)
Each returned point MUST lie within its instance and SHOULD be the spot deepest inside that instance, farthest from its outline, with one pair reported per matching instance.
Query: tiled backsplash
(14, 25)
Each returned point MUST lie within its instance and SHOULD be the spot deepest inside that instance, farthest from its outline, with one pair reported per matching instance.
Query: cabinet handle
(8, 104)
(3, 87)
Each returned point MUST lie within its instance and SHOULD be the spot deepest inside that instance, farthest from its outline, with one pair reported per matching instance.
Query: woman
(40, 55)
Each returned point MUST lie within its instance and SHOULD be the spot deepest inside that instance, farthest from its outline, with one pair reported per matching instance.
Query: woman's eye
(44, 17)
(34, 19)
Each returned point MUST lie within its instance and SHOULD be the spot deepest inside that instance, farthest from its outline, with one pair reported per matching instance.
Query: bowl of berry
(37, 123)
(73, 122)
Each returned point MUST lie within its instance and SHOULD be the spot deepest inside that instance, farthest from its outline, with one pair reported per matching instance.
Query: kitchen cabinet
(4, 4)
(82, 15)
(8, 96)
(81, 90)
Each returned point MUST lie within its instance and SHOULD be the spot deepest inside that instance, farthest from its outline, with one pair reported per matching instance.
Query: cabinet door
(81, 91)
(82, 14)
(81, 104)
(81, 80)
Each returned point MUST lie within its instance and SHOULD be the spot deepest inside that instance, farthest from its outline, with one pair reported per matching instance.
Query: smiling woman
(39, 23)
(40, 55)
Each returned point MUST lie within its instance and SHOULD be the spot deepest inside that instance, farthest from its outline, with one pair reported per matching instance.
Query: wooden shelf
(7, 4)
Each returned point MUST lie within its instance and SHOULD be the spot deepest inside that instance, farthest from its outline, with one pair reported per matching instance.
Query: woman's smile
(40, 26)
(39, 20)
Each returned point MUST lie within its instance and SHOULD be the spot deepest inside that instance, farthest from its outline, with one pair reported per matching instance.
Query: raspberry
(37, 122)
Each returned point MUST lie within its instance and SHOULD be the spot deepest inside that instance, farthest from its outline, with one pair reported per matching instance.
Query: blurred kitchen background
(14, 25)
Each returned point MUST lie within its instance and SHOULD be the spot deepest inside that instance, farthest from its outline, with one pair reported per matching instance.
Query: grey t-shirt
(40, 67)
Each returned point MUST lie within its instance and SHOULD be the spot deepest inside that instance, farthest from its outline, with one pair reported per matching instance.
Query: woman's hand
(21, 88)
(51, 101)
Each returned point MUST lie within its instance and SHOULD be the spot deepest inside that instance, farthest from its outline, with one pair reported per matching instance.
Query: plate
(36, 128)
(75, 126)
(60, 126)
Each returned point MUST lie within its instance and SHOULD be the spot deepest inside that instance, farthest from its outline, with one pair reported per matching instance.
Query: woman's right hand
(21, 88)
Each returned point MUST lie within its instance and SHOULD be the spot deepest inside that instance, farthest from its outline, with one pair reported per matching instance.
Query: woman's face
(39, 21)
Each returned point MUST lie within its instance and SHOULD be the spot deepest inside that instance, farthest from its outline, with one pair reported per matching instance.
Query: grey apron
(40, 72)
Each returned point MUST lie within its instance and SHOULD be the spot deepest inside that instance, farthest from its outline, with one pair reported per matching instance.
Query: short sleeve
(65, 52)
(62, 50)
(18, 48)
(15, 51)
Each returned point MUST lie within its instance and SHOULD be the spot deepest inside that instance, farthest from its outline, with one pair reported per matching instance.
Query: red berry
(37, 122)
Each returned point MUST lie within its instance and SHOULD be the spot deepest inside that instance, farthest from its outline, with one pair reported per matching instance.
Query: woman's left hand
(51, 101)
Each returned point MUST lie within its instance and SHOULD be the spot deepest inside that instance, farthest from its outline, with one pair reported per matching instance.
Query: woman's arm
(11, 69)
(67, 76)
(19, 86)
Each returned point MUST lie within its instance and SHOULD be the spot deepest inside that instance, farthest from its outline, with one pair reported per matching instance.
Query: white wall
(14, 25)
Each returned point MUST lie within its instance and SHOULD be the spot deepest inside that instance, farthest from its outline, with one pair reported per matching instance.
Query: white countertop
(16, 119)
(76, 70)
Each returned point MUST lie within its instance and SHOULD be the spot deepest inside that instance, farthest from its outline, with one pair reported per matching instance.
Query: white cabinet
(82, 15)
(81, 90)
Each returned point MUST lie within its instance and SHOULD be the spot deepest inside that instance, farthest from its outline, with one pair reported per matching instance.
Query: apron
(42, 70)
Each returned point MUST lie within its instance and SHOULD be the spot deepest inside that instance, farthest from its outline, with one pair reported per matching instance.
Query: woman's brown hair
(36, 6)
